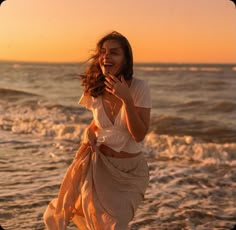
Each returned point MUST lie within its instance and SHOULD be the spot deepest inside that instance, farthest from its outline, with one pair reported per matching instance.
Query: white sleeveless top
(117, 136)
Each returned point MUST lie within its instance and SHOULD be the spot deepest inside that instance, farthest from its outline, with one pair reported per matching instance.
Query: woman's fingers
(109, 90)
(114, 85)
(109, 81)
(109, 85)
(112, 77)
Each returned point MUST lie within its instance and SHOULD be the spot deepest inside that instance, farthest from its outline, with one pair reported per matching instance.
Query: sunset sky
(158, 30)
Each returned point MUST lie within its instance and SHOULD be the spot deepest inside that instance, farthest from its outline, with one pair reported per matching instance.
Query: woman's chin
(109, 71)
(105, 72)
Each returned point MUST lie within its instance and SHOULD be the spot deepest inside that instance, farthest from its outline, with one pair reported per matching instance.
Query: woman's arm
(137, 118)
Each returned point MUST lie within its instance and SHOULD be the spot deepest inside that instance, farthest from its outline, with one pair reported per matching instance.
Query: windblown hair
(93, 79)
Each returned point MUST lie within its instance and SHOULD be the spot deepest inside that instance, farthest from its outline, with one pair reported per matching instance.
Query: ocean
(190, 146)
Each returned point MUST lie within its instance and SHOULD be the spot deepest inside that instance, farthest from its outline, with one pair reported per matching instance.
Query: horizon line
(138, 62)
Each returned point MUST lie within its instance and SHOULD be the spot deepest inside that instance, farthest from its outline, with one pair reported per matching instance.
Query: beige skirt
(98, 192)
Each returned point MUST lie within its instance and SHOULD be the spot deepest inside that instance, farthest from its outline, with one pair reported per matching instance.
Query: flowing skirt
(98, 192)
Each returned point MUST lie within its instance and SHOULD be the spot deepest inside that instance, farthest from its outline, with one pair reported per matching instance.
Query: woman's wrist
(128, 101)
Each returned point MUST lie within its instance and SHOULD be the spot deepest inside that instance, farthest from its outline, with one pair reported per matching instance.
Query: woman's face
(111, 58)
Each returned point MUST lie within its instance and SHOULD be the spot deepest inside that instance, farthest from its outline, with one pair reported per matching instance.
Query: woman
(107, 179)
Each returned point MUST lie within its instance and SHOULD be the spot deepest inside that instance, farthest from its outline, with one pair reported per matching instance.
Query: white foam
(42, 122)
(189, 148)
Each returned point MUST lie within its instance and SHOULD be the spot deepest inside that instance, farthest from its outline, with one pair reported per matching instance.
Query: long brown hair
(93, 79)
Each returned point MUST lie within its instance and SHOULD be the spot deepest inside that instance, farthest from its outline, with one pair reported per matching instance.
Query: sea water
(190, 146)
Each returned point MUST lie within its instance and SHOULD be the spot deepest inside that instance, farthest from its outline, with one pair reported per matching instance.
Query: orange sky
(158, 30)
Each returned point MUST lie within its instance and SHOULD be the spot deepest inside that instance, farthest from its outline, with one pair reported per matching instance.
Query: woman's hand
(118, 88)
(137, 119)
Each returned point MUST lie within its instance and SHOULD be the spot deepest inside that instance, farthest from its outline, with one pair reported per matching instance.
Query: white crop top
(117, 136)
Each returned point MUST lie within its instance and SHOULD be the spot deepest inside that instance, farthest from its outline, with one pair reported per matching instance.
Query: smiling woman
(107, 180)
(111, 58)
